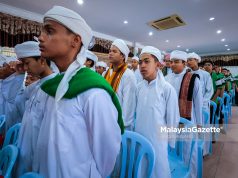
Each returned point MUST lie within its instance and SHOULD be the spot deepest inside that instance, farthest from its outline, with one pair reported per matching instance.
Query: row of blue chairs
(9, 151)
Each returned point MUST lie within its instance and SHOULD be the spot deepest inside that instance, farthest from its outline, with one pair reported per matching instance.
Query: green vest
(84, 80)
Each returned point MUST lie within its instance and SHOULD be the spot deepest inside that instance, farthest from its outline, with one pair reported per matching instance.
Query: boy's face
(191, 62)
(115, 55)
(208, 67)
(167, 63)
(100, 69)
(134, 64)
(55, 40)
(148, 66)
(32, 66)
(177, 66)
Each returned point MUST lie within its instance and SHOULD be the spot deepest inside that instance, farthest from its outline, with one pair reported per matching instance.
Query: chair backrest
(206, 118)
(132, 161)
(31, 175)
(12, 135)
(214, 106)
(8, 156)
(182, 141)
(221, 101)
(226, 99)
(2, 122)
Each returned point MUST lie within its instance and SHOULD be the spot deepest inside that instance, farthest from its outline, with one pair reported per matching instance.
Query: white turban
(176, 54)
(194, 56)
(74, 22)
(121, 45)
(135, 58)
(101, 64)
(11, 59)
(92, 56)
(27, 49)
(152, 50)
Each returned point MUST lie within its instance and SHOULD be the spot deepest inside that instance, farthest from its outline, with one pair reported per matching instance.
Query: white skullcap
(11, 59)
(27, 49)
(72, 21)
(152, 50)
(176, 54)
(92, 56)
(195, 56)
(135, 58)
(101, 64)
(121, 45)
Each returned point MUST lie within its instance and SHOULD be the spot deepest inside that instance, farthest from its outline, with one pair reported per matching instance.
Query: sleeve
(104, 131)
(208, 91)
(128, 103)
(197, 103)
(172, 114)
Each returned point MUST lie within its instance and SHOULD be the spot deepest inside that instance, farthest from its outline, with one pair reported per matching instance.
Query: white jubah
(157, 108)
(138, 75)
(207, 92)
(196, 115)
(70, 142)
(127, 98)
(31, 122)
(10, 87)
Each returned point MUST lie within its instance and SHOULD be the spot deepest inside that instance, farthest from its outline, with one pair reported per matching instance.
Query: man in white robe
(78, 137)
(135, 68)
(179, 58)
(34, 102)
(101, 67)
(156, 109)
(123, 81)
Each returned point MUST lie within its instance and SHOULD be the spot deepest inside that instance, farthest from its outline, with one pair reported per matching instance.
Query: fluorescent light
(223, 39)
(228, 49)
(125, 22)
(219, 31)
(178, 46)
(166, 41)
(187, 50)
(80, 2)
(226, 45)
(150, 33)
(212, 18)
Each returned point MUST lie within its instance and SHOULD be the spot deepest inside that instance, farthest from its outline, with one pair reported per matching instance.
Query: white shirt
(78, 137)
(31, 122)
(157, 108)
(138, 75)
(207, 87)
(127, 98)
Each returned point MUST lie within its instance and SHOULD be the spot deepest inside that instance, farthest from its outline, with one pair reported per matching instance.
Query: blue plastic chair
(225, 110)
(12, 135)
(177, 166)
(31, 175)
(8, 156)
(132, 161)
(2, 122)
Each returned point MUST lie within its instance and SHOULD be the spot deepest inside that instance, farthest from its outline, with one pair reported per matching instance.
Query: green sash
(84, 80)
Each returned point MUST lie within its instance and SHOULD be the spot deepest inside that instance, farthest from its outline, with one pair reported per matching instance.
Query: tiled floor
(223, 163)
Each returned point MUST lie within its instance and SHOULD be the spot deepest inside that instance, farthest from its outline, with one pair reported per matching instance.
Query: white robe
(196, 116)
(157, 108)
(138, 75)
(10, 88)
(31, 122)
(79, 137)
(127, 98)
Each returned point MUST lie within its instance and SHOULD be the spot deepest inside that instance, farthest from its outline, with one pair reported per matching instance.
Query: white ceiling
(199, 35)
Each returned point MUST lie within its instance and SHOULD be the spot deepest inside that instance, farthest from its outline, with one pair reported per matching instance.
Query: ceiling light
(178, 46)
(212, 18)
(223, 39)
(228, 49)
(166, 41)
(125, 22)
(219, 31)
(80, 2)
(151, 33)
(187, 50)
(226, 45)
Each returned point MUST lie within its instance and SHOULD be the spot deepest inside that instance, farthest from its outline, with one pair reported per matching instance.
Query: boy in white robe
(29, 54)
(122, 80)
(91, 61)
(156, 108)
(78, 136)
(191, 107)
(135, 68)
